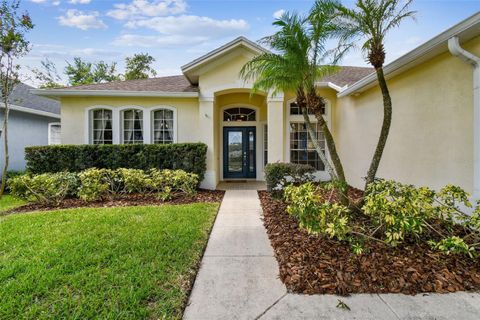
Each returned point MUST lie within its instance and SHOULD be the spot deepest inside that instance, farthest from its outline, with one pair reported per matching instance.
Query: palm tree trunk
(332, 150)
(387, 120)
(318, 149)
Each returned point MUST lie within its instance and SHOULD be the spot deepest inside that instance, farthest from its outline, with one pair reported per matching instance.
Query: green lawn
(103, 263)
(8, 202)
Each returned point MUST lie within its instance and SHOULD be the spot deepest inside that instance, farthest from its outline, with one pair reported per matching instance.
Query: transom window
(102, 132)
(301, 147)
(163, 126)
(239, 114)
(132, 126)
(295, 109)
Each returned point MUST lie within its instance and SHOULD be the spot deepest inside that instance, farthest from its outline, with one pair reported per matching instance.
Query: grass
(8, 202)
(104, 263)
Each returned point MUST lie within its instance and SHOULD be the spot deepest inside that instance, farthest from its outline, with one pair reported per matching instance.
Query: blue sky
(178, 31)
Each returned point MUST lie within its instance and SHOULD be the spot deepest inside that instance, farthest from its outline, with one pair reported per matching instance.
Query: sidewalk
(238, 279)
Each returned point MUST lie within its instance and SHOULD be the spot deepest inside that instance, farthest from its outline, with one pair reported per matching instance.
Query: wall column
(207, 124)
(276, 132)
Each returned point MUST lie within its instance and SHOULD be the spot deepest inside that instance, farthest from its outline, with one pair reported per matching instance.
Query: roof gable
(240, 45)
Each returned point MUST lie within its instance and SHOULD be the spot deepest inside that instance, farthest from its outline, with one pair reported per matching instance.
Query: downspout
(474, 61)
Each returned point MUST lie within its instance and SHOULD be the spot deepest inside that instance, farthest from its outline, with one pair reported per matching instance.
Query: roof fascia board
(111, 93)
(33, 111)
(422, 50)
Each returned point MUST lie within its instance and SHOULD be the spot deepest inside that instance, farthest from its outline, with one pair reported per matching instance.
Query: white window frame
(117, 122)
(50, 125)
(152, 128)
(89, 123)
(322, 175)
(122, 110)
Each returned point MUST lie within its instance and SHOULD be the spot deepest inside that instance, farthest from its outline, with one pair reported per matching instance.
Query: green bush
(315, 215)
(45, 188)
(166, 182)
(279, 175)
(190, 157)
(134, 181)
(93, 184)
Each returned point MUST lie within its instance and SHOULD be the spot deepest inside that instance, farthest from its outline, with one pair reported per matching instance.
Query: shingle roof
(348, 75)
(160, 84)
(22, 97)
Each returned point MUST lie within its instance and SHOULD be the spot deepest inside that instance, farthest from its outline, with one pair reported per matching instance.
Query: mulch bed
(313, 264)
(125, 201)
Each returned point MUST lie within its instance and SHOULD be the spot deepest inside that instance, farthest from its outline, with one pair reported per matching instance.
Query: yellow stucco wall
(73, 116)
(431, 137)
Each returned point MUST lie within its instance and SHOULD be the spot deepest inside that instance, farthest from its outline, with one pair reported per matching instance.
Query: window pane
(239, 114)
(132, 126)
(302, 149)
(101, 126)
(163, 126)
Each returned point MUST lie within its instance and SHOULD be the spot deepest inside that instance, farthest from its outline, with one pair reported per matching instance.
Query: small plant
(166, 182)
(279, 175)
(44, 188)
(453, 244)
(315, 215)
(134, 180)
(93, 184)
(400, 209)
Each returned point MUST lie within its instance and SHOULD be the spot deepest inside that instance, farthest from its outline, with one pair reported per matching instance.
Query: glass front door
(239, 152)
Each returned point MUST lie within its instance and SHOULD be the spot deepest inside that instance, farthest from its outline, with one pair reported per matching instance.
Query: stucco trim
(33, 111)
(466, 30)
(56, 93)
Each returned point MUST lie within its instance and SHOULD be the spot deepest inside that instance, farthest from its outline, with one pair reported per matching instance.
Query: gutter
(474, 61)
(32, 111)
(111, 93)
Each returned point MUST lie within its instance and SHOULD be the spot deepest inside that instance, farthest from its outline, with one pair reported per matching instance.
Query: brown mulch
(313, 264)
(125, 201)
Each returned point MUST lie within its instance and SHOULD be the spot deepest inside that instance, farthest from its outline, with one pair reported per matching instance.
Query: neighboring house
(33, 121)
(434, 138)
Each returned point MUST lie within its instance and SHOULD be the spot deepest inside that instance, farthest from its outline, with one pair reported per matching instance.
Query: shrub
(44, 188)
(402, 209)
(93, 184)
(166, 182)
(134, 181)
(190, 157)
(279, 175)
(315, 215)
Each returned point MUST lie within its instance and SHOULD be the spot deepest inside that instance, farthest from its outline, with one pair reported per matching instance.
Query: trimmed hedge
(190, 157)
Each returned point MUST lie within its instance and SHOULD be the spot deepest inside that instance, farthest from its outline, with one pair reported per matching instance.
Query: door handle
(244, 158)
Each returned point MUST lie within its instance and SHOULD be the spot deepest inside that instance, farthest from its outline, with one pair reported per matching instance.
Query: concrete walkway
(238, 279)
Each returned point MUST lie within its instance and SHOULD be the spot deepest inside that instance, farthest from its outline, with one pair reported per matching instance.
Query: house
(32, 121)
(434, 138)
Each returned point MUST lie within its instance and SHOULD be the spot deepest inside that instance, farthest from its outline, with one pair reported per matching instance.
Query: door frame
(245, 174)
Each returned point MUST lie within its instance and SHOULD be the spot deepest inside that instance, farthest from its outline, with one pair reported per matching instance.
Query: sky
(175, 32)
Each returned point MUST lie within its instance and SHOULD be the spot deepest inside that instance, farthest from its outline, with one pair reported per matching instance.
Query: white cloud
(80, 1)
(189, 25)
(79, 19)
(52, 2)
(278, 14)
(135, 40)
(145, 8)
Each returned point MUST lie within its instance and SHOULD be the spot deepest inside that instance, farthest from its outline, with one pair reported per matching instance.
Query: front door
(239, 152)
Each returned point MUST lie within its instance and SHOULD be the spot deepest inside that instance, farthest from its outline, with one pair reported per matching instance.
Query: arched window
(163, 126)
(295, 109)
(132, 126)
(239, 114)
(101, 131)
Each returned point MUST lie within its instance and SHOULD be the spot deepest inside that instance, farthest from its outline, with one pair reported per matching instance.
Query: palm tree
(294, 66)
(370, 21)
